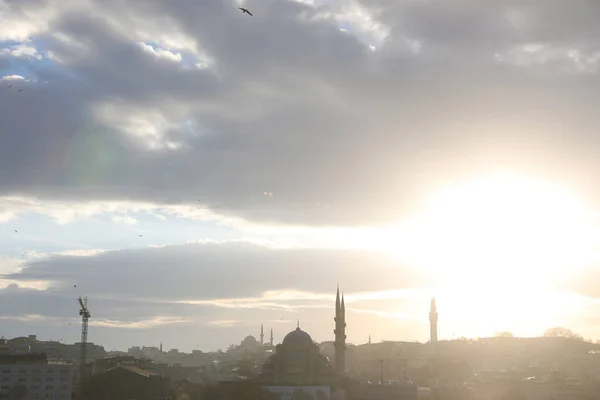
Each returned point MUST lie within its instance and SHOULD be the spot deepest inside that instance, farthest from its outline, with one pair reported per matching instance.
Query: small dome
(297, 338)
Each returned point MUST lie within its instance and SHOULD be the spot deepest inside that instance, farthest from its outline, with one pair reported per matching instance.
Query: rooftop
(29, 358)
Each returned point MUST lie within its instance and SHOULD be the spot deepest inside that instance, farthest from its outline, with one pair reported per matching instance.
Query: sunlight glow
(498, 247)
(501, 230)
(485, 310)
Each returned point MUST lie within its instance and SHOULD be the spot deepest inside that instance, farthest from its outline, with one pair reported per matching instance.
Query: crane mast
(85, 316)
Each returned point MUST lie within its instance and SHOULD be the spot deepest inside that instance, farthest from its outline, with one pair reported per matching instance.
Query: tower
(433, 320)
(340, 335)
(271, 339)
(161, 347)
(262, 336)
(85, 317)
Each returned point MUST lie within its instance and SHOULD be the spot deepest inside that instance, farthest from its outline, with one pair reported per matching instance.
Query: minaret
(340, 335)
(271, 339)
(161, 347)
(433, 320)
(262, 335)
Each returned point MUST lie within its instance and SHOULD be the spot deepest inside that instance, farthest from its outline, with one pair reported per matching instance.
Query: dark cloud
(213, 271)
(340, 134)
(129, 289)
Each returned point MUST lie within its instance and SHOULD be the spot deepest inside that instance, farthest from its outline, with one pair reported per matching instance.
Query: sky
(195, 171)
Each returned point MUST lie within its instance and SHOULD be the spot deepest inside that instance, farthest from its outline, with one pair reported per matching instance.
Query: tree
(505, 334)
(559, 331)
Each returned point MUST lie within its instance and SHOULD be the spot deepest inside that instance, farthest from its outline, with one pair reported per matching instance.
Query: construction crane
(85, 316)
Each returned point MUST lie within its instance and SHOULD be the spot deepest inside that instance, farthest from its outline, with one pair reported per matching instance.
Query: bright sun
(498, 249)
(497, 246)
(500, 229)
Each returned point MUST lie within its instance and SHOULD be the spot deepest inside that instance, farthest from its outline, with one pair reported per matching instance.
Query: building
(340, 335)
(101, 365)
(297, 361)
(368, 391)
(32, 377)
(128, 382)
(7, 348)
(298, 370)
(54, 350)
(433, 321)
(249, 344)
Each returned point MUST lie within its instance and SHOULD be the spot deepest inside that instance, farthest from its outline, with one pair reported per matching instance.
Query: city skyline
(242, 328)
(196, 172)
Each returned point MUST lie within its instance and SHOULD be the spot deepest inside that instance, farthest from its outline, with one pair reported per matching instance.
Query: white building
(32, 377)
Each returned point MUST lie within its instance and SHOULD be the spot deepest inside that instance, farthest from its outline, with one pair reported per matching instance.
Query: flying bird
(9, 86)
(20, 90)
(141, 235)
(245, 10)
(16, 231)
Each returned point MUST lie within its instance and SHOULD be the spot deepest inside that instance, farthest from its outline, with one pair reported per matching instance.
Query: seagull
(21, 90)
(16, 231)
(245, 10)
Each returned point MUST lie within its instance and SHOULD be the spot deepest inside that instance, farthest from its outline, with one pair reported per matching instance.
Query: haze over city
(195, 171)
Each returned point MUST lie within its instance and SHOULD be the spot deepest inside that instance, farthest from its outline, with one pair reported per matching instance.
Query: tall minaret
(262, 335)
(340, 335)
(433, 320)
(271, 339)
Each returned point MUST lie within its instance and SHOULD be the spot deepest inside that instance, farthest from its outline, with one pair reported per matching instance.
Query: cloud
(185, 271)
(338, 113)
(29, 318)
(21, 50)
(12, 78)
(227, 323)
(198, 287)
(145, 324)
(223, 291)
(382, 314)
(124, 220)
(289, 104)
(67, 211)
(161, 53)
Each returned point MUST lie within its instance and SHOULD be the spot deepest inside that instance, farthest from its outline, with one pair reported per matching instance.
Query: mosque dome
(249, 340)
(297, 339)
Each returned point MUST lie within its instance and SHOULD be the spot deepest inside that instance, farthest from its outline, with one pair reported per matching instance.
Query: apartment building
(33, 377)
